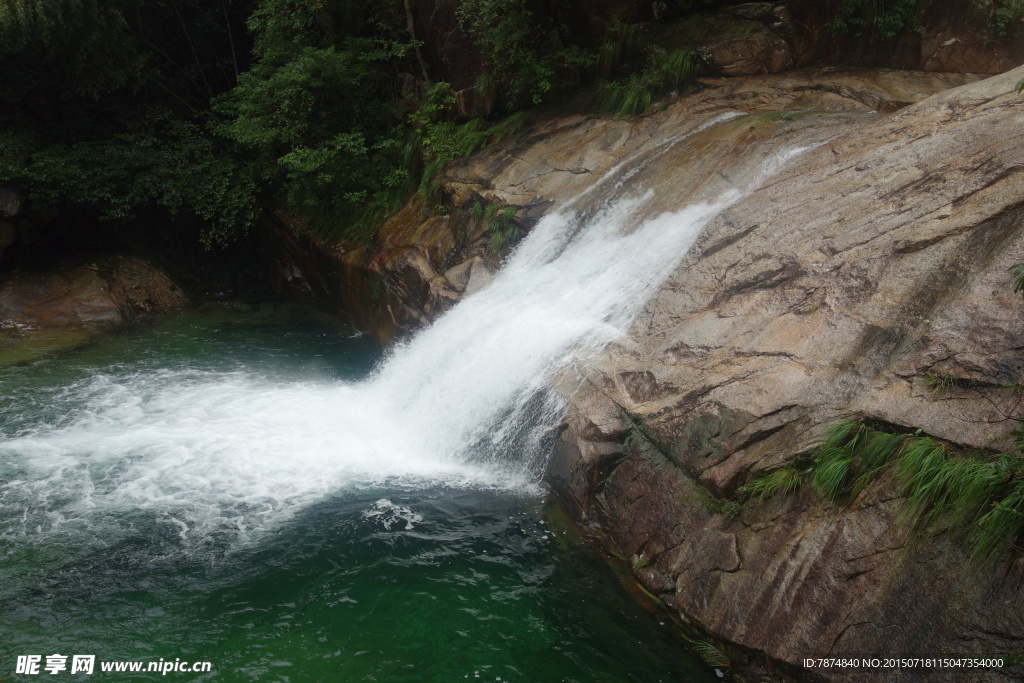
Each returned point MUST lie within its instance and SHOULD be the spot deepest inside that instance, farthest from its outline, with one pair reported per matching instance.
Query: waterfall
(463, 403)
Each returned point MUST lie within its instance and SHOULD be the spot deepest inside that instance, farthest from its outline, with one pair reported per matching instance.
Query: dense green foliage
(326, 109)
(329, 109)
(506, 31)
(87, 45)
(880, 19)
(318, 114)
(102, 107)
(1005, 14)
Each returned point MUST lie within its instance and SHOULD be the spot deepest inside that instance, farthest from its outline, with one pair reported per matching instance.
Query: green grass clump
(502, 230)
(711, 655)
(881, 20)
(1002, 527)
(851, 457)
(782, 482)
(939, 384)
(979, 496)
(982, 499)
(621, 39)
(923, 469)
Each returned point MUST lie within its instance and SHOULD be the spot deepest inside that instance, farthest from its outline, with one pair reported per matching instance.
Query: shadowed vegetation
(665, 72)
(502, 229)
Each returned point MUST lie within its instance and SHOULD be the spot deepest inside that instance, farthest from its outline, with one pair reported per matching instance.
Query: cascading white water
(462, 403)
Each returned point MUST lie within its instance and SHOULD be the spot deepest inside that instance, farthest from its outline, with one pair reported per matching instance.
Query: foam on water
(463, 403)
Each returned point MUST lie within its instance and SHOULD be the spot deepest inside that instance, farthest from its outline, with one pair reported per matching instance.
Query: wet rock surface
(106, 290)
(392, 286)
(870, 263)
(874, 259)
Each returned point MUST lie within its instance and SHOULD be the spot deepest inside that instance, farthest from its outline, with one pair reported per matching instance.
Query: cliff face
(758, 37)
(875, 259)
(418, 265)
(871, 262)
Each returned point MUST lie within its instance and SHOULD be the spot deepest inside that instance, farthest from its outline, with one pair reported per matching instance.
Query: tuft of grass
(665, 71)
(430, 181)
(620, 39)
(939, 384)
(502, 230)
(832, 466)
(654, 598)
(979, 497)
(1002, 527)
(711, 655)
(486, 86)
(1018, 269)
(811, 309)
(922, 468)
(876, 450)
(850, 459)
(782, 482)
(477, 211)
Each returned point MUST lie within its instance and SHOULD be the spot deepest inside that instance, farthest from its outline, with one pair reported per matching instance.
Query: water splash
(463, 403)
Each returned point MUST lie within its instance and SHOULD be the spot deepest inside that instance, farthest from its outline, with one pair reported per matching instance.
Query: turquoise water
(151, 507)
